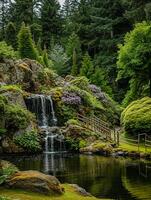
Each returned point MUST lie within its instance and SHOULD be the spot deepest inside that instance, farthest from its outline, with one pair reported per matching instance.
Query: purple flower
(71, 98)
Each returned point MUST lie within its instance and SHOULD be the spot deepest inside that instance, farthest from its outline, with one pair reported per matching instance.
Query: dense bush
(17, 117)
(6, 51)
(47, 77)
(71, 98)
(82, 82)
(29, 141)
(88, 98)
(136, 118)
(6, 170)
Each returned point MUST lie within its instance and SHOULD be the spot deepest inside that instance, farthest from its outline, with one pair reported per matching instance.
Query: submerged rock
(36, 182)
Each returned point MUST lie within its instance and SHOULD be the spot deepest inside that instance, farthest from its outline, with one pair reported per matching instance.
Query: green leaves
(29, 141)
(6, 51)
(134, 57)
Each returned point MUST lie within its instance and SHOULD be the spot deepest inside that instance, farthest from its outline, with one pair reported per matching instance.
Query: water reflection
(124, 179)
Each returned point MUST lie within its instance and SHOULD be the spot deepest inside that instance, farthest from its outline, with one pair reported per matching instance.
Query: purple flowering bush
(98, 93)
(71, 98)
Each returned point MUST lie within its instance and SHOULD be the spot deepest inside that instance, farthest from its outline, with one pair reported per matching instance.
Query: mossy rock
(136, 118)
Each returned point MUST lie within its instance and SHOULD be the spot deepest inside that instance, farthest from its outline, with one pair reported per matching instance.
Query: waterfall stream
(43, 108)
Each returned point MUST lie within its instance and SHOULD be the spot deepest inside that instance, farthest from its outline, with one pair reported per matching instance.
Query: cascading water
(43, 108)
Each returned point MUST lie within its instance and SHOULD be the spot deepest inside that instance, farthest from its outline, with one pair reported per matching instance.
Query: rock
(81, 191)
(36, 182)
(8, 146)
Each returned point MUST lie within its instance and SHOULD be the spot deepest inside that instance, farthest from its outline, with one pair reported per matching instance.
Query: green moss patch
(70, 194)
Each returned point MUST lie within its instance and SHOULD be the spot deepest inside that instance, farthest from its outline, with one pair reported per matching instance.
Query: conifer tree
(87, 68)
(26, 47)
(45, 58)
(73, 50)
(50, 21)
(74, 70)
(10, 35)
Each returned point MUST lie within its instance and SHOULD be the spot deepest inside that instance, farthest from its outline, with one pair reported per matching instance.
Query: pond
(103, 177)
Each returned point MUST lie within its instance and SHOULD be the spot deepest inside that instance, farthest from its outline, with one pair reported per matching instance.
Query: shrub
(29, 141)
(11, 88)
(3, 102)
(136, 118)
(2, 131)
(47, 77)
(6, 170)
(71, 98)
(82, 82)
(17, 117)
(88, 99)
(72, 122)
(6, 51)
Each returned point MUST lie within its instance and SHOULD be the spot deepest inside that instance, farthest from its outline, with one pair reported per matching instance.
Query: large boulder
(36, 182)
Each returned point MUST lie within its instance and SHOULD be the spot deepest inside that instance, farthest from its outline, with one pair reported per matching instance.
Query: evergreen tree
(108, 29)
(74, 69)
(22, 11)
(50, 21)
(45, 58)
(137, 11)
(11, 35)
(4, 10)
(73, 50)
(26, 47)
(87, 68)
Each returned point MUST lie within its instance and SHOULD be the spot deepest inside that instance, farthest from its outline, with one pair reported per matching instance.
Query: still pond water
(104, 177)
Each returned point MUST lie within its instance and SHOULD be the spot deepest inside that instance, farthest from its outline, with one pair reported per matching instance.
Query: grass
(70, 194)
(129, 143)
(130, 147)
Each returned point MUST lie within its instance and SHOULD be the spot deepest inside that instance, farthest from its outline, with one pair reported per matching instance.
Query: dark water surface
(104, 177)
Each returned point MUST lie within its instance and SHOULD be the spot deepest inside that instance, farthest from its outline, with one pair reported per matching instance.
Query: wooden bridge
(99, 127)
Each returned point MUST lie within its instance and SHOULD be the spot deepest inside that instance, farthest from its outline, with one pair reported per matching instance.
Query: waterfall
(43, 108)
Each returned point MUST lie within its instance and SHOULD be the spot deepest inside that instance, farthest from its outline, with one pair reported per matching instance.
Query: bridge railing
(95, 124)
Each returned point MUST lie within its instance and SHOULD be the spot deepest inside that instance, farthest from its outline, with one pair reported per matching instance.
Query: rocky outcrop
(36, 182)
(23, 72)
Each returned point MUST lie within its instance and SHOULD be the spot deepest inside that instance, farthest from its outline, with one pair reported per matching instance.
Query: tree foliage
(134, 56)
(26, 47)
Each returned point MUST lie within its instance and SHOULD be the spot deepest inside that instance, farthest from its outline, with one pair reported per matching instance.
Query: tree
(134, 58)
(50, 21)
(107, 31)
(60, 60)
(73, 50)
(74, 69)
(4, 9)
(22, 11)
(45, 58)
(10, 35)
(137, 11)
(87, 68)
(26, 47)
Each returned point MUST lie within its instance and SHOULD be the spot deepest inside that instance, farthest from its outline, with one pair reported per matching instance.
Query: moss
(82, 82)
(70, 194)
(136, 117)
(29, 141)
(10, 88)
